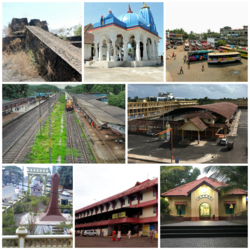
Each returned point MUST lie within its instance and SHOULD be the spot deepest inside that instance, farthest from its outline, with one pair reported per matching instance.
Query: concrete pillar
(149, 52)
(125, 44)
(145, 54)
(153, 49)
(114, 54)
(133, 52)
(198, 137)
(100, 51)
(108, 51)
(193, 206)
(96, 52)
(156, 50)
(216, 206)
(21, 232)
(182, 132)
(138, 58)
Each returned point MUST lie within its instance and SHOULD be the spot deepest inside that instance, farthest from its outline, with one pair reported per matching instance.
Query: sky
(199, 16)
(95, 183)
(57, 14)
(94, 10)
(215, 91)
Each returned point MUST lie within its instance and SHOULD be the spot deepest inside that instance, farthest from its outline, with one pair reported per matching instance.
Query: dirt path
(69, 53)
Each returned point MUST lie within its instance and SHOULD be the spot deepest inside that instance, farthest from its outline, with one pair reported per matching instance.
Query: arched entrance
(205, 211)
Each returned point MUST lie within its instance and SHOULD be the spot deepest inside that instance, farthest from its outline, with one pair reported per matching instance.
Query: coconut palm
(168, 169)
(234, 176)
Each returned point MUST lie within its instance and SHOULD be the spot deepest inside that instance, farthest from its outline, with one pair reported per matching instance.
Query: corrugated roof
(201, 115)
(186, 188)
(139, 186)
(100, 112)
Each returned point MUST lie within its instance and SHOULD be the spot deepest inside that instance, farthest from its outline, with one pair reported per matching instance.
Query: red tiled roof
(198, 123)
(229, 202)
(201, 115)
(139, 186)
(119, 221)
(88, 37)
(180, 203)
(185, 189)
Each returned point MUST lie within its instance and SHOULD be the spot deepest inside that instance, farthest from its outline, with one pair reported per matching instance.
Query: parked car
(90, 233)
(230, 145)
(150, 133)
(65, 193)
(66, 211)
(175, 47)
(223, 141)
(169, 47)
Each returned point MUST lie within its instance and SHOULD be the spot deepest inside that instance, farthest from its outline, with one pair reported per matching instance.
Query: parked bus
(224, 57)
(186, 47)
(198, 55)
(243, 53)
(199, 46)
(206, 46)
(225, 49)
(193, 46)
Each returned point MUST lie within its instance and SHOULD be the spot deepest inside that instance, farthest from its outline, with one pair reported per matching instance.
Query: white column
(153, 50)
(21, 232)
(145, 54)
(108, 51)
(125, 44)
(100, 51)
(114, 54)
(156, 51)
(96, 52)
(138, 58)
(149, 52)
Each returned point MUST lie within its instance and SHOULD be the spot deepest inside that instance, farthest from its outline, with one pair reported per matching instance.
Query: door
(205, 211)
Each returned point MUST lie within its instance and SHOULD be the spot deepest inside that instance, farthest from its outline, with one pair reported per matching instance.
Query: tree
(117, 100)
(175, 178)
(15, 91)
(31, 226)
(66, 176)
(165, 206)
(78, 30)
(221, 43)
(235, 176)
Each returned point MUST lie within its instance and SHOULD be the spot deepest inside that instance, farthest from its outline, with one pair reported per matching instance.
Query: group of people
(151, 235)
(184, 59)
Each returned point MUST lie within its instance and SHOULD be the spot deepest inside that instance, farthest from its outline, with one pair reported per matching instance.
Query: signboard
(234, 34)
(204, 196)
(115, 216)
(145, 229)
(119, 215)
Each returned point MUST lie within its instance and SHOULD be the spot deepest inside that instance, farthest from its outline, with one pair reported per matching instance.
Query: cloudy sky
(94, 183)
(215, 91)
(212, 10)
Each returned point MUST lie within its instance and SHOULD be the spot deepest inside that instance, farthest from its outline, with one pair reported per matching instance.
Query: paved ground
(123, 74)
(211, 152)
(230, 72)
(205, 242)
(201, 223)
(107, 242)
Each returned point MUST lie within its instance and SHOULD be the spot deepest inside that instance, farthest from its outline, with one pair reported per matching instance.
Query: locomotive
(69, 105)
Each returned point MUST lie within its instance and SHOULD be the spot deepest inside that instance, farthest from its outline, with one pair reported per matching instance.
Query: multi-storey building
(135, 209)
(240, 102)
(235, 36)
(146, 109)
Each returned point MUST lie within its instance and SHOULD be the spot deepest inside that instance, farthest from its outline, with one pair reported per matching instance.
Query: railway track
(76, 143)
(16, 142)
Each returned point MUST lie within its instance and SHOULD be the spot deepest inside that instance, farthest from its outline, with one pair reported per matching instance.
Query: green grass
(40, 149)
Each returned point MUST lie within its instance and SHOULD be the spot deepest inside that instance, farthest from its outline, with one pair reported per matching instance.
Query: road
(8, 191)
(140, 144)
(227, 72)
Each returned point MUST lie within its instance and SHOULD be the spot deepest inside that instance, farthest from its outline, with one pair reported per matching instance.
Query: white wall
(87, 51)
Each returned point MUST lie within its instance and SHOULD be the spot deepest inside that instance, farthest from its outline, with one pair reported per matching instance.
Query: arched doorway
(205, 211)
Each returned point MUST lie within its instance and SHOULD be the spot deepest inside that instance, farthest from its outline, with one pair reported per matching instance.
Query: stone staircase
(203, 231)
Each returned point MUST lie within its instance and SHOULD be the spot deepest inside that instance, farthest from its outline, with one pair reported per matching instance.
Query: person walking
(188, 64)
(202, 68)
(129, 234)
(181, 70)
(175, 57)
(119, 235)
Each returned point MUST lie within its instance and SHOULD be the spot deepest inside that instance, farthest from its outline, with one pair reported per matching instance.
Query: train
(69, 102)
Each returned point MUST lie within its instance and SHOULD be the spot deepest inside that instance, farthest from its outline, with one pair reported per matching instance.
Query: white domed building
(128, 40)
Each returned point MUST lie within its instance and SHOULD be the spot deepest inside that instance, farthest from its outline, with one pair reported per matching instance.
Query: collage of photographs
(138, 141)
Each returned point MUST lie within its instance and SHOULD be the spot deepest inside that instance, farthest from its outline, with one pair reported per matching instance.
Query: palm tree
(168, 169)
(234, 176)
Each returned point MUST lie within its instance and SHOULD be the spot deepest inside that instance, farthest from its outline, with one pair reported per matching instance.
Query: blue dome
(132, 19)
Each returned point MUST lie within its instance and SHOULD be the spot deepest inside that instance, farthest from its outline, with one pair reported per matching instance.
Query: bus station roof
(100, 112)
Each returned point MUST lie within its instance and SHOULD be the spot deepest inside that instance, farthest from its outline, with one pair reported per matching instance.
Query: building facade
(135, 209)
(202, 200)
(235, 36)
(145, 109)
(113, 36)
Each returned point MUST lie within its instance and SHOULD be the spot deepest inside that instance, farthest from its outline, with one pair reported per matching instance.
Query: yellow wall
(189, 126)
(147, 212)
(172, 206)
(147, 195)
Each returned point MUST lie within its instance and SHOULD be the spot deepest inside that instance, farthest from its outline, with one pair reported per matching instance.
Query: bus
(186, 47)
(206, 46)
(193, 46)
(225, 49)
(198, 55)
(199, 46)
(224, 57)
(243, 53)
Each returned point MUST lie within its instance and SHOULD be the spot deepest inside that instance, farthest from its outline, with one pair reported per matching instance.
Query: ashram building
(200, 200)
(203, 121)
(128, 40)
(134, 209)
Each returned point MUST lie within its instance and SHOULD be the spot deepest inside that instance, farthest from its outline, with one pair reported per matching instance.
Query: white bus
(224, 57)
(186, 47)
(199, 46)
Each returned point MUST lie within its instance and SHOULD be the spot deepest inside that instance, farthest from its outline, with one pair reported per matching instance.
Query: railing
(22, 239)
(12, 204)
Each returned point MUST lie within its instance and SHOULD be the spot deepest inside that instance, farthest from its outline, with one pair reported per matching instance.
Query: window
(154, 193)
(123, 201)
(115, 204)
(154, 209)
(230, 210)
(141, 197)
(180, 209)
(140, 211)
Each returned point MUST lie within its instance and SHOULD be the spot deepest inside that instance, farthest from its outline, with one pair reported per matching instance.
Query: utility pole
(49, 132)
(40, 115)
